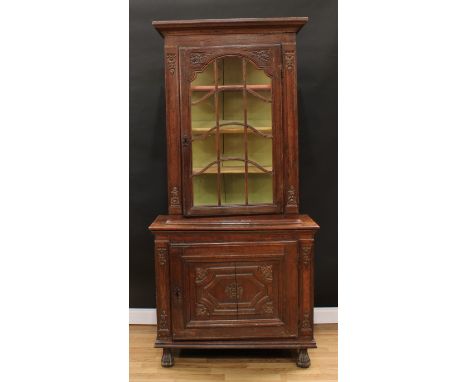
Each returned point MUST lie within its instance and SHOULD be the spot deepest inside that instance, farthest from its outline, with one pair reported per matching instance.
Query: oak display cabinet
(234, 258)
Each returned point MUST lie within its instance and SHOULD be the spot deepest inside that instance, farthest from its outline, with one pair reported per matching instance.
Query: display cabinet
(234, 259)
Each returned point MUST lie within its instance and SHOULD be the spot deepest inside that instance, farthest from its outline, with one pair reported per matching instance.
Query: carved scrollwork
(171, 63)
(200, 274)
(174, 200)
(202, 310)
(289, 60)
(292, 199)
(263, 55)
(162, 255)
(234, 291)
(267, 272)
(199, 58)
(305, 253)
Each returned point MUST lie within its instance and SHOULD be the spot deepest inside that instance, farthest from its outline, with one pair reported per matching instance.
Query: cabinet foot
(167, 359)
(303, 359)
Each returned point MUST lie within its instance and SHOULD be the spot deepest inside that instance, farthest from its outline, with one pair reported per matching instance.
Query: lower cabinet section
(226, 288)
(232, 291)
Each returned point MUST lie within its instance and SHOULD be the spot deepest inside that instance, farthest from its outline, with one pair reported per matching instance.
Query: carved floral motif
(199, 58)
(162, 322)
(234, 291)
(292, 200)
(202, 310)
(162, 255)
(306, 321)
(268, 307)
(305, 253)
(171, 62)
(200, 274)
(174, 198)
(289, 59)
(263, 55)
(267, 272)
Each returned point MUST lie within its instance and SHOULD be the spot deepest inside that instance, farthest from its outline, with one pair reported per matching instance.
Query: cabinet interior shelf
(233, 170)
(263, 126)
(201, 88)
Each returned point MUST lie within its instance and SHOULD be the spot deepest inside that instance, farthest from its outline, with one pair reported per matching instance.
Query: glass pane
(231, 121)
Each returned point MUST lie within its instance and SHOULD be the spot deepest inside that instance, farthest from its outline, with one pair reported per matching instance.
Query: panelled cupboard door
(234, 290)
(231, 129)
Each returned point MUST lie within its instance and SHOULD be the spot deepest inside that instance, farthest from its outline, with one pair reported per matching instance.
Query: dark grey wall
(318, 102)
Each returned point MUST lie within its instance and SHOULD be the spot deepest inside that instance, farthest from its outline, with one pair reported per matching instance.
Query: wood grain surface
(232, 365)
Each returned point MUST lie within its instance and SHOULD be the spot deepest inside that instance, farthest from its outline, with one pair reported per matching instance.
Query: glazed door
(241, 290)
(231, 130)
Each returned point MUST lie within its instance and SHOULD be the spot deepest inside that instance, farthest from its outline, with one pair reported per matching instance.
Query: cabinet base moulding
(143, 316)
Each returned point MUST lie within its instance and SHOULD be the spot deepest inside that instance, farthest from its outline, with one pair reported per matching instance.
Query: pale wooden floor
(232, 365)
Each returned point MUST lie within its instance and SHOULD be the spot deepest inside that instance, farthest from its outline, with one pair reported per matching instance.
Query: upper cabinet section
(231, 116)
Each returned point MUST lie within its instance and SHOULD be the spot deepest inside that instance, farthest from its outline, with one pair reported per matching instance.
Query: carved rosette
(174, 200)
(162, 255)
(200, 274)
(289, 60)
(306, 321)
(267, 272)
(234, 291)
(171, 63)
(292, 199)
(306, 253)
